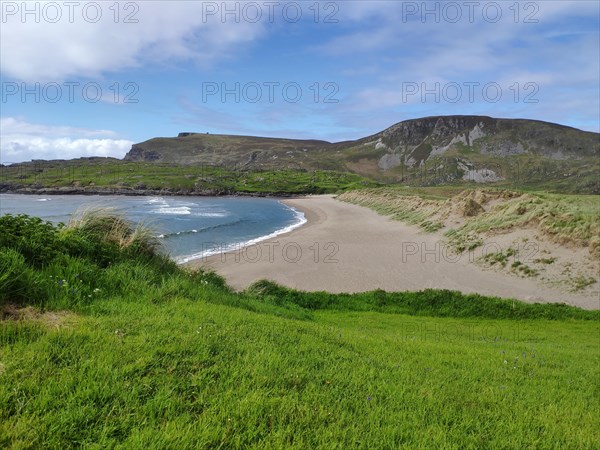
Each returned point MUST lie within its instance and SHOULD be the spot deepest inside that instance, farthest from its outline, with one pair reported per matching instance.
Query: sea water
(189, 227)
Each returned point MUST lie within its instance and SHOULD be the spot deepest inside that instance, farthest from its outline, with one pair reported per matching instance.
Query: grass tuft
(107, 226)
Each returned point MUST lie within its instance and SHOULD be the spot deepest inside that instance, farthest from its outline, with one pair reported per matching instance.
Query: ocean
(189, 227)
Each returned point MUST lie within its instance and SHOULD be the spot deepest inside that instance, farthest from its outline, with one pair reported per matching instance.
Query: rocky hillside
(414, 142)
(431, 150)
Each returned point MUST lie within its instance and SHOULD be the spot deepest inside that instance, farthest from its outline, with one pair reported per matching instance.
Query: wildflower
(368, 398)
(96, 290)
(505, 362)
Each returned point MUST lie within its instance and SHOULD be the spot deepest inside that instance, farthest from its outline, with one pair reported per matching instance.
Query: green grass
(186, 373)
(171, 178)
(125, 350)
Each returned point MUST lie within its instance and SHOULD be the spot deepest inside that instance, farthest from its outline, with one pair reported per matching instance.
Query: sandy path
(348, 248)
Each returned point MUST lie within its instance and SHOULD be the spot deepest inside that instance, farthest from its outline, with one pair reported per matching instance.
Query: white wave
(211, 214)
(44, 199)
(300, 220)
(180, 211)
(179, 233)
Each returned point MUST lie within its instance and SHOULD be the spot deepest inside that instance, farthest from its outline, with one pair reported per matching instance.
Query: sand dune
(348, 248)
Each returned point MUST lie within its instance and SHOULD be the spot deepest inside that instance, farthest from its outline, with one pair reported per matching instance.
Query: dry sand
(349, 248)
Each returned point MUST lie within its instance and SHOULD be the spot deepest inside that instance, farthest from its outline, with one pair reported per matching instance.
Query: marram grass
(563, 218)
(104, 224)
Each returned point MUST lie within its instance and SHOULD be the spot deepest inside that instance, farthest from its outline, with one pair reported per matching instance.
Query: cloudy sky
(91, 78)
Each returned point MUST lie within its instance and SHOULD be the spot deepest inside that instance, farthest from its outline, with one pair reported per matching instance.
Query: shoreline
(349, 248)
(185, 260)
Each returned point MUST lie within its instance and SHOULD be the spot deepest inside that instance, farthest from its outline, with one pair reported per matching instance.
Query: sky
(92, 78)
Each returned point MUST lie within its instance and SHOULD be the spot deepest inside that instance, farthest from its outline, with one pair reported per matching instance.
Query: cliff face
(414, 142)
(138, 153)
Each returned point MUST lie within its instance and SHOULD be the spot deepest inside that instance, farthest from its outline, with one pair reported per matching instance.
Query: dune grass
(427, 212)
(107, 226)
(123, 349)
(563, 218)
(570, 219)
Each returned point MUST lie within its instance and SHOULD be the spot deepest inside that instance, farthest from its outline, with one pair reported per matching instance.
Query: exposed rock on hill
(430, 150)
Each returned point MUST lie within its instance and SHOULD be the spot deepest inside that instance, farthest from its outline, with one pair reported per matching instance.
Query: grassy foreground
(119, 348)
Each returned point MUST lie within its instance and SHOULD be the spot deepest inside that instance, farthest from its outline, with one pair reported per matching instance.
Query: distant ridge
(479, 148)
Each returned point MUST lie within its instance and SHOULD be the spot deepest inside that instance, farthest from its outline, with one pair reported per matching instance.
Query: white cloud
(558, 54)
(165, 31)
(23, 141)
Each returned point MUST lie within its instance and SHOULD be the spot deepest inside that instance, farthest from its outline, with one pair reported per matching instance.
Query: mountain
(430, 150)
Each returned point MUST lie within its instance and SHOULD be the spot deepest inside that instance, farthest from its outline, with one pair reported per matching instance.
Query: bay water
(189, 227)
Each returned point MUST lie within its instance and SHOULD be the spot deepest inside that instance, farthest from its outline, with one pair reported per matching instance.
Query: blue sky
(325, 70)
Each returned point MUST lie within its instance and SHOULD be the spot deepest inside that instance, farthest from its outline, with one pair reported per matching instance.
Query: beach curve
(349, 248)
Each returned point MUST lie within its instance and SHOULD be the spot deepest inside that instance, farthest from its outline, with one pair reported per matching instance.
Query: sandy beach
(349, 248)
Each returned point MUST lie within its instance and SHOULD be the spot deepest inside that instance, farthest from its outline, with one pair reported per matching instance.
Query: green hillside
(118, 347)
(108, 175)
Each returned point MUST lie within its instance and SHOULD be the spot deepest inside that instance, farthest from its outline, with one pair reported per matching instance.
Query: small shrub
(33, 238)
(209, 277)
